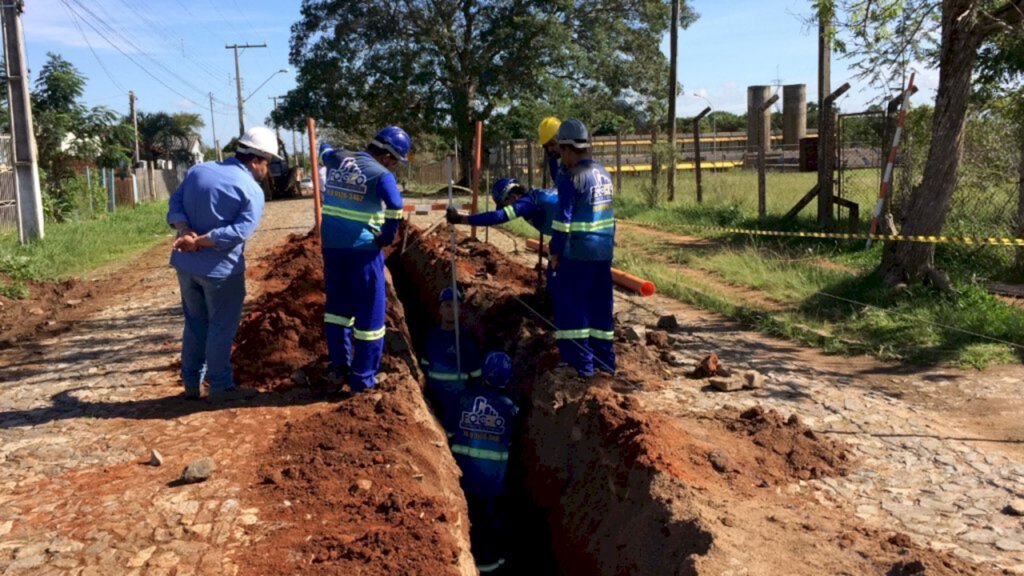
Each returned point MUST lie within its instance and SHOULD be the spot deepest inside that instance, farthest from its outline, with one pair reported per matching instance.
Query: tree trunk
(929, 203)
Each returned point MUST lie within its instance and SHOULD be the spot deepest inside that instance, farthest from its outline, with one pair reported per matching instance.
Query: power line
(78, 25)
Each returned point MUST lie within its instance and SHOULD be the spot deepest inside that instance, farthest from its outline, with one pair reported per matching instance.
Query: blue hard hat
(394, 140)
(497, 370)
(501, 189)
(446, 295)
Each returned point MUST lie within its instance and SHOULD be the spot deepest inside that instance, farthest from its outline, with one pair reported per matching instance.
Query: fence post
(696, 153)
(618, 160)
(112, 193)
(762, 144)
(511, 158)
(529, 164)
(88, 189)
(827, 156)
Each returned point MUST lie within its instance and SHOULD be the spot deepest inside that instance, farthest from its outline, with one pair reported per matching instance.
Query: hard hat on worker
(259, 140)
(449, 294)
(395, 141)
(497, 369)
(502, 188)
(547, 129)
(573, 133)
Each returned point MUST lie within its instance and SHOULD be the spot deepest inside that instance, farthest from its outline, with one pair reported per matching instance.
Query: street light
(251, 94)
(714, 129)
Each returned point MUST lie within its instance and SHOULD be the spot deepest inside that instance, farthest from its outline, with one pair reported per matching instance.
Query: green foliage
(163, 135)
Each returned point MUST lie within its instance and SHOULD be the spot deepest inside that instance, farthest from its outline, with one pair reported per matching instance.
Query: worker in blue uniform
(538, 207)
(485, 431)
(546, 132)
(445, 383)
(362, 209)
(581, 254)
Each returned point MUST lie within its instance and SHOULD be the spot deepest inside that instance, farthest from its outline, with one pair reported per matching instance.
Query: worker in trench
(215, 210)
(445, 382)
(483, 433)
(362, 209)
(538, 207)
(582, 247)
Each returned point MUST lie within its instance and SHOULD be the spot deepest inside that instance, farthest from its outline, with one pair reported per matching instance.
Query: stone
(1009, 545)
(657, 338)
(726, 384)
(37, 311)
(198, 471)
(141, 557)
(635, 333)
(248, 519)
(720, 461)
(5, 527)
(668, 322)
(299, 378)
(156, 458)
(753, 380)
(1014, 508)
(980, 537)
(73, 302)
(675, 359)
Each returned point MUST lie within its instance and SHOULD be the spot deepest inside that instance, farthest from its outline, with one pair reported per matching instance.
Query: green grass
(76, 248)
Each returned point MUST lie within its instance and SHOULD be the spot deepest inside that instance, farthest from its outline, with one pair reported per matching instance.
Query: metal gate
(8, 188)
(860, 156)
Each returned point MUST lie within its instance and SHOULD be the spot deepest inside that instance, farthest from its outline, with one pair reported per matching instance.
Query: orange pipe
(624, 279)
(314, 157)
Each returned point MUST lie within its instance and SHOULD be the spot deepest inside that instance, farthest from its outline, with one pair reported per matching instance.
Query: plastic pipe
(639, 285)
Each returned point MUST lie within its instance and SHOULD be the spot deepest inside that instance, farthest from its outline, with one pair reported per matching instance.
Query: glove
(452, 215)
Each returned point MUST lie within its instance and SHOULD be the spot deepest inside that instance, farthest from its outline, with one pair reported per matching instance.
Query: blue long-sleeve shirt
(539, 208)
(223, 201)
(362, 205)
(585, 224)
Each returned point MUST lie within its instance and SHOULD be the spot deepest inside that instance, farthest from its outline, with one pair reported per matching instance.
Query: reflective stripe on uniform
(452, 376)
(354, 215)
(602, 334)
(592, 226)
(339, 320)
(368, 335)
(488, 568)
(572, 334)
(510, 211)
(476, 373)
(559, 226)
(480, 453)
(393, 214)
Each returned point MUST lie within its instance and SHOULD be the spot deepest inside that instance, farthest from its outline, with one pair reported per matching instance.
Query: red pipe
(624, 279)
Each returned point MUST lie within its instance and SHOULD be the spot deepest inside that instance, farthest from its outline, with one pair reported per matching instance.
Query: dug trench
(601, 481)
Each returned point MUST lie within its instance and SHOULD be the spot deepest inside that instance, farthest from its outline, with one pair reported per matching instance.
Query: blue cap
(497, 369)
(446, 295)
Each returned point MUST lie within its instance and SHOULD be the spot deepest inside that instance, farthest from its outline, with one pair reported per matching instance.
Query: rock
(73, 302)
(156, 458)
(141, 557)
(668, 322)
(5, 527)
(754, 380)
(658, 338)
(726, 384)
(1009, 545)
(299, 378)
(361, 485)
(1015, 508)
(36, 311)
(675, 359)
(720, 461)
(198, 471)
(707, 367)
(635, 333)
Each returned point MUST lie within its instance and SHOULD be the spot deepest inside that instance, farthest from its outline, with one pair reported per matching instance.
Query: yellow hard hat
(548, 128)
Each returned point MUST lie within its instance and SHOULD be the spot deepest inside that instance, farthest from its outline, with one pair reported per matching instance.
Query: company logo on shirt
(347, 178)
(483, 418)
(601, 192)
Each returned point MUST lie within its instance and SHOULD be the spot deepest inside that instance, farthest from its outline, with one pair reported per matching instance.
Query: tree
(163, 135)
(885, 36)
(442, 65)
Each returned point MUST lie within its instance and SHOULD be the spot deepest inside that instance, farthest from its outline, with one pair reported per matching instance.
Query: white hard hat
(259, 140)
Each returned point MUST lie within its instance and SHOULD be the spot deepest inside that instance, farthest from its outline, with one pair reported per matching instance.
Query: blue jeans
(212, 309)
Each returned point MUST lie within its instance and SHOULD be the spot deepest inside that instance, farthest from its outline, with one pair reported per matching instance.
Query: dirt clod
(668, 322)
(657, 338)
(198, 471)
(708, 367)
(720, 461)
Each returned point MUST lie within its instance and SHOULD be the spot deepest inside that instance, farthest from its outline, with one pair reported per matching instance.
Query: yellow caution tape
(969, 240)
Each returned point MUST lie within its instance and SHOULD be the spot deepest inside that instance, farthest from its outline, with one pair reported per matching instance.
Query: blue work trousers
(583, 302)
(212, 309)
(355, 308)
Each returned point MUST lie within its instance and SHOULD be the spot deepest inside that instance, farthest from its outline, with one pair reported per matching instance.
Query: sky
(172, 54)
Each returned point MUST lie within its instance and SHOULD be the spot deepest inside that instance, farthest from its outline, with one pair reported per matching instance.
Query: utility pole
(135, 126)
(238, 83)
(277, 129)
(825, 125)
(23, 142)
(674, 61)
(213, 124)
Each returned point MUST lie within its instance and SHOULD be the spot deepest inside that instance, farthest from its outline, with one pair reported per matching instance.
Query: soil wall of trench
(603, 481)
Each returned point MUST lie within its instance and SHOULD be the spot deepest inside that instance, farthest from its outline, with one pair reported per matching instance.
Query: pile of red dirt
(807, 454)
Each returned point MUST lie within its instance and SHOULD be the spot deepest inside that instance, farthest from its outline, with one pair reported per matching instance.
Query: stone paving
(80, 414)
(915, 473)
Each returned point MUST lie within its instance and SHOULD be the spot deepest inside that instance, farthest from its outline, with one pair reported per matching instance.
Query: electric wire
(99, 61)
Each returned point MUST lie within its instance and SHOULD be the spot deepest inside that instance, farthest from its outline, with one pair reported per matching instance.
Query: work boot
(231, 395)
(333, 381)
(191, 393)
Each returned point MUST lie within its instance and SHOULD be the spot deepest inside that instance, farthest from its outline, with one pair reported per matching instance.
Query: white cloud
(185, 103)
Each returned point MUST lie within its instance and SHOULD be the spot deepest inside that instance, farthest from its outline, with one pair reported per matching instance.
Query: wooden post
(315, 167)
(696, 152)
(618, 161)
(673, 85)
(529, 164)
(477, 155)
(762, 144)
(511, 158)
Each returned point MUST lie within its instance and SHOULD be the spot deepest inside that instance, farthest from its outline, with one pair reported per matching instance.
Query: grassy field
(76, 248)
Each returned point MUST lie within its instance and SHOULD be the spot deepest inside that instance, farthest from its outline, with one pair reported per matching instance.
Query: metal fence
(8, 188)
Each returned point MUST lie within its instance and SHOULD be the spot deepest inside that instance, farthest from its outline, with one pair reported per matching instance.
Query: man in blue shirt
(444, 381)
(215, 210)
(538, 207)
(483, 433)
(581, 254)
(362, 209)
